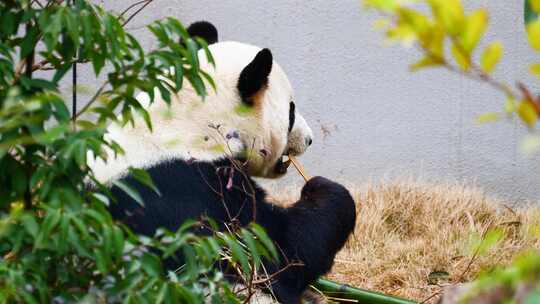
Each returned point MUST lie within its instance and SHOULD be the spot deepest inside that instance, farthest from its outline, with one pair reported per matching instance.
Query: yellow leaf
(491, 56)
(488, 117)
(380, 24)
(448, 13)
(403, 33)
(435, 42)
(385, 5)
(535, 69)
(510, 105)
(424, 63)
(527, 113)
(463, 60)
(475, 26)
(535, 5)
(533, 32)
(529, 145)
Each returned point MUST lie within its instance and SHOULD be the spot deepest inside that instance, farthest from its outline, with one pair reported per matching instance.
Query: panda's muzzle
(281, 166)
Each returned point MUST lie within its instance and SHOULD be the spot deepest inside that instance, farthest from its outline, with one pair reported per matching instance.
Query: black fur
(254, 76)
(204, 30)
(292, 115)
(311, 231)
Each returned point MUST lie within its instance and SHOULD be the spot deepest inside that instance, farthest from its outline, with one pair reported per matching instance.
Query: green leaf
(118, 241)
(237, 254)
(134, 194)
(144, 178)
(264, 239)
(151, 264)
(30, 224)
(38, 83)
(101, 261)
(178, 75)
(193, 50)
(61, 72)
(207, 52)
(72, 25)
(98, 61)
(29, 41)
(248, 239)
(491, 56)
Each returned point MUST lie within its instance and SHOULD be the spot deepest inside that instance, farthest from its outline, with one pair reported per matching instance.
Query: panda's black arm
(318, 227)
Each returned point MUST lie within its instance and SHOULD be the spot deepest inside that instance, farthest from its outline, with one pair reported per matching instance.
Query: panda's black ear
(204, 30)
(254, 77)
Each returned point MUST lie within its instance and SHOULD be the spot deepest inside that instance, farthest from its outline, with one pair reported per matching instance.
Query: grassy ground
(413, 238)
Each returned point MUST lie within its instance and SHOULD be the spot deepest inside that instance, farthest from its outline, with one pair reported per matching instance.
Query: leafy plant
(58, 242)
(448, 37)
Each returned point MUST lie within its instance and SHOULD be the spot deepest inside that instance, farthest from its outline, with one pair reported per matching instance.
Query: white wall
(384, 122)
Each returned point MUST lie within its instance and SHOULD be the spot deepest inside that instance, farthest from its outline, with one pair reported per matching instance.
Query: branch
(130, 7)
(91, 101)
(137, 11)
(483, 76)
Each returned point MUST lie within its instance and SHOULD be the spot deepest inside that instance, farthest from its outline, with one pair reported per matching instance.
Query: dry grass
(407, 230)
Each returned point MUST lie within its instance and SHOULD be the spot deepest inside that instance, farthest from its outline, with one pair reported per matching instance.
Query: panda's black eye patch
(291, 115)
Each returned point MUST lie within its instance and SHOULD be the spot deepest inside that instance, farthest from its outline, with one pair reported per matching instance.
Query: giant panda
(203, 155)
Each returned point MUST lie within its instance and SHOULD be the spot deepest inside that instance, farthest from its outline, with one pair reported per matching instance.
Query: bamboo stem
(361, 296)
(299, 167)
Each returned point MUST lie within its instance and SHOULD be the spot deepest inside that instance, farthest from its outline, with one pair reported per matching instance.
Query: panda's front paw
(321, 187)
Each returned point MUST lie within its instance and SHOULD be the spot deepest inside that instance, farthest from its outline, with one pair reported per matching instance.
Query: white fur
(181, 129)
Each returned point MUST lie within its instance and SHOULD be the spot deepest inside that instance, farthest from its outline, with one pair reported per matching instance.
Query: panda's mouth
(282, 165)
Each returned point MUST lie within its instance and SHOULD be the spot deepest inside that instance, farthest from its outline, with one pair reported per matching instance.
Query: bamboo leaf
(134, 194)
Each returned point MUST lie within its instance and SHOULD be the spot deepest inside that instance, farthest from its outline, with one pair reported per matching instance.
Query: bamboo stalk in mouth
(299, 167)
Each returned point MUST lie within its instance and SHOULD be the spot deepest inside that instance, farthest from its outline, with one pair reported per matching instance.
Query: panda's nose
(309, 141)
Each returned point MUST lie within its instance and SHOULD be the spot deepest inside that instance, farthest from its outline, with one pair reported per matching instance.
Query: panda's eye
(291, 115)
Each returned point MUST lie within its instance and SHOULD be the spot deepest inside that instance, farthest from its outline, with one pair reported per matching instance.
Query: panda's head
(253, 105)
(251, 115)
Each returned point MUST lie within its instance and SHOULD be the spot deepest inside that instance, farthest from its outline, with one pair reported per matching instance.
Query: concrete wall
(372, 118)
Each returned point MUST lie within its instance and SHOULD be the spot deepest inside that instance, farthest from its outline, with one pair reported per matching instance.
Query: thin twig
(130, 7)
(137, 12)
(431, 297)
(92, 100)
(38, 3)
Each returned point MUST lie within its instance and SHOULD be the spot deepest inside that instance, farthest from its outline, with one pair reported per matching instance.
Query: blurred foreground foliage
(58, 242)
(448, 37)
